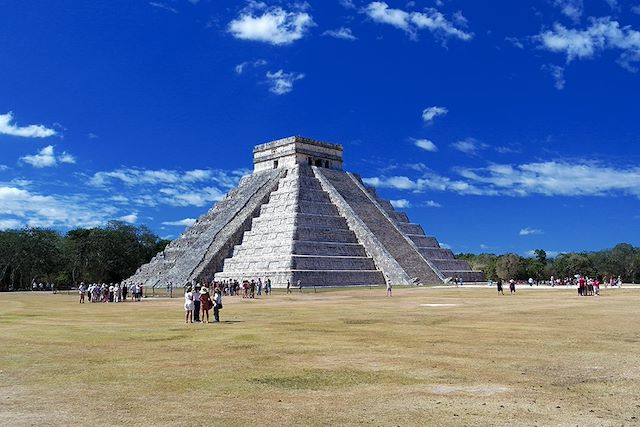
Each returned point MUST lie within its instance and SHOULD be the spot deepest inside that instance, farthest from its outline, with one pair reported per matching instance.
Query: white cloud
(10, 224)
(413, 22)
(132, 218)
(425, 144)
(602, 34)
(47, 158)
(273, 25)
(572, 9)
(347, 4)
(400, 203)
(3, 167)
(30, 131)
(527, 231)
(147, 187)
(66, 158)
(163, 6)
(551, 178)
(430, 113)
(557, 73)
(35, 210)
(240, 68)
(432, 204)
(282, 83)
(44, 158)
(187, 222)
(469, 146)
(340, 33)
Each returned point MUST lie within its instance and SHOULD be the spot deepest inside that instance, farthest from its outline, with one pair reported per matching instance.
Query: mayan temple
(299, 216)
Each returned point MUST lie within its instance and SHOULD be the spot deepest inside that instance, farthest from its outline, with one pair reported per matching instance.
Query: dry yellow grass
(543, 357)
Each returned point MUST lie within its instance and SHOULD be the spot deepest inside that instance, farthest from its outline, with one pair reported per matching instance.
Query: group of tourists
(198, 302)
(114, 292)
(586, 286)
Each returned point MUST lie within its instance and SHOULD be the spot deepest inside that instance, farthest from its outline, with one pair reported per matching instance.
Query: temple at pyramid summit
(299, 216)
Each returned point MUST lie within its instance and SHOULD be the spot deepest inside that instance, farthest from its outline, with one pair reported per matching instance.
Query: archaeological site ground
(426, 356)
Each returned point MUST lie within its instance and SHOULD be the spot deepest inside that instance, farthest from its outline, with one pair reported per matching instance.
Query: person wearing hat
(217, 304)
(205, 304)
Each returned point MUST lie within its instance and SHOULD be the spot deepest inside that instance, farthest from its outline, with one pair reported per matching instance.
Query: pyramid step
(328, 248)
(450, 264)
(437, 253)
(423, 241)
(298, 219)
(409, 228)
(308, 234)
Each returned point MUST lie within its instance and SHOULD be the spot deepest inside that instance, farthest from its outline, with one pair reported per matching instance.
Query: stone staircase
(300, 235)
(440, 258)
(200, 250)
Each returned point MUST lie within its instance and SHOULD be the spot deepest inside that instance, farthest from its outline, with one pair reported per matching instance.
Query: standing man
(512, 286)
(499, 284)
(196, 303)
(388, 289)
(288, 286)
(81, 290)
(217, 304)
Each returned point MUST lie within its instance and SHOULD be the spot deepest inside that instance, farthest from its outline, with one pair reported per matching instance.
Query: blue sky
(500, 127)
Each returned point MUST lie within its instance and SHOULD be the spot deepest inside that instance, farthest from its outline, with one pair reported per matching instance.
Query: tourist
(388, 289)
(268, 286)
(299, 285)
(582, 286)
(205, 304)
(512, 286)
(188, 305)
(125, 290)
(196, 303)
(288, 286)
(499, 284)
(252, 289)
(217, 304)
(81, 290)
(259, 285)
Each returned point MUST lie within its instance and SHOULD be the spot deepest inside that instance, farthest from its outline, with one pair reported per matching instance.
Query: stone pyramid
(298, 216)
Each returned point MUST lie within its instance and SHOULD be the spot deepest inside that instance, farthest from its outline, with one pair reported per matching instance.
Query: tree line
(622, 260)
(107, 254)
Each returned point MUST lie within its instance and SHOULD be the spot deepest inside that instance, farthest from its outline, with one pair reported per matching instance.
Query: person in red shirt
(581, 288)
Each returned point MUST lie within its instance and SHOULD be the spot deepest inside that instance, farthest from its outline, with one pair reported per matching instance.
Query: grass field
(346, 357)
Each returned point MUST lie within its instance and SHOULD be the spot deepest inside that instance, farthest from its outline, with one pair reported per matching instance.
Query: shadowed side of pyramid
(299, 217)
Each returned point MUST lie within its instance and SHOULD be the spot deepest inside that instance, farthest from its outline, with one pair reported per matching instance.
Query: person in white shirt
(188, 305)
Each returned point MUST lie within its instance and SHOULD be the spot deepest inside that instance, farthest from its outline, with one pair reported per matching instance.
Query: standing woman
(196, 303)
(205, 304)
(188, 305)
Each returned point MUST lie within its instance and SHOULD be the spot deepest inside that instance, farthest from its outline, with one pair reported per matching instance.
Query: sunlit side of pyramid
(298, 216)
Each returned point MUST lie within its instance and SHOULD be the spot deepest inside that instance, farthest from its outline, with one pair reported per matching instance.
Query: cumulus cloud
(527, 231)
(400, 203)
(187, 222)
(426, 145)
(47, 158)
(572, 9)
(432, 204)
(469, 146)
(148, 187)
(132, 218)
(340, 33)
(412, 22)
(10, 224)
(430, 113)
(551, 178)
(3, 168)
(273, 25)
(602, 34)
(20, 207)
(281, 83)
(29, 131)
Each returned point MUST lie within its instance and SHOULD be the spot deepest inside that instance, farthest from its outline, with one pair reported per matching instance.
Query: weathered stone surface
(300, 217)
